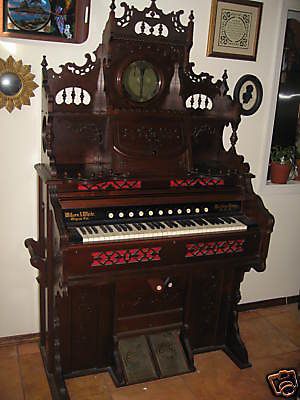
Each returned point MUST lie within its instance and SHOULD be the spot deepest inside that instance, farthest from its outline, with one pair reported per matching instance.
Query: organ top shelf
(137, 107)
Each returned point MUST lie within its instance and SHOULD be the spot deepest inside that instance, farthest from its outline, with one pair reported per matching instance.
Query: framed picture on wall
(52, 20)
(234, 29)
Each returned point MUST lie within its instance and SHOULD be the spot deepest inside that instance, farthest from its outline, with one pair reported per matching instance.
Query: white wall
(20, 150)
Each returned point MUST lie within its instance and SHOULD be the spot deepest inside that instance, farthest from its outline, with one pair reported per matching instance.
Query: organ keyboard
(103, 231)
(147, 224)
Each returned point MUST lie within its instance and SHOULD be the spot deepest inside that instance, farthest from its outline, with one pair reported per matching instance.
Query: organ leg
(234, 345)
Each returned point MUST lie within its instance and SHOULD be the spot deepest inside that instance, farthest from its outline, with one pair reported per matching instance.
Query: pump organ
(146, 223)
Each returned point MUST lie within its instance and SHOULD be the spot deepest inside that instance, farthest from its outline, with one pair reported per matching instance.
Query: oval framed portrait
(248, 92)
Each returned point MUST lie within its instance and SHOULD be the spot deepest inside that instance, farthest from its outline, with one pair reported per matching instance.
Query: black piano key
(232, 220)
(94, 229)
(124, 227)
(228, 220)
(137, 226)
(82, 230)
(116, 226)
(211, 220)
(149, 224)
(109, 228)
(200, 221)
(103, 228)
(143, 226)
(189, 222)
(129, 227)
(89, 230)
(156, 224)
(181, 223)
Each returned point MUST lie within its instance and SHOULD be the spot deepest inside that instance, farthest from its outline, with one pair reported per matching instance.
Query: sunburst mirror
(16, 84)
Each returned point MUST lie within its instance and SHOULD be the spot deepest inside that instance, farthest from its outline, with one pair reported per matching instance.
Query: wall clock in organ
(140, 81)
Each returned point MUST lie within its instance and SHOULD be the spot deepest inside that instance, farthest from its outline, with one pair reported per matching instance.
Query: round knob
(150, 213)
(110, 215)
(179, 211)
(121, 214)
(197, 210)
(158, 288)
(170, 284)
(205, 209)
(188, 210)
(141, 213)
(170, 212)
(131, 214)
(160, 212)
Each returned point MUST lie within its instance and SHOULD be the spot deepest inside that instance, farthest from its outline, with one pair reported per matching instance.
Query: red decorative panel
(214, 248)
(194, 182)
(125, 256)
(111, 185)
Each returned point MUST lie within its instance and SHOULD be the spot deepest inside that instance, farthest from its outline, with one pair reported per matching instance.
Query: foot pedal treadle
(148, 357)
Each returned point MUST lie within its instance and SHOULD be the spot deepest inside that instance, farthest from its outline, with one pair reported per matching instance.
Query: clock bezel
(120, 79)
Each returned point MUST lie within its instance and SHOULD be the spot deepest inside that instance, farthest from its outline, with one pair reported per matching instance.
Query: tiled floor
(272, 337)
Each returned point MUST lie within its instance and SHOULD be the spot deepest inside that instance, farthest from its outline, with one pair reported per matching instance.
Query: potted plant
(281, 163)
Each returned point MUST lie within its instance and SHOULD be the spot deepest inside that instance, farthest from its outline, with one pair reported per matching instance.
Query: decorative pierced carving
(126, 256)
(214, 248)
(202, 131)
(78, 69)
(156, 30)
(73, 95)
(202, 85)
(197, 182)
(203, 77)
(199, 102)
(127, 15)
(110, 185)
(153, 22)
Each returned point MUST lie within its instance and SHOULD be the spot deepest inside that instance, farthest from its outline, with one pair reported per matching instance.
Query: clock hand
(142, 70)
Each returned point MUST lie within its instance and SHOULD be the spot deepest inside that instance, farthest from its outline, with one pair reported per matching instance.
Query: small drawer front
(150, 294)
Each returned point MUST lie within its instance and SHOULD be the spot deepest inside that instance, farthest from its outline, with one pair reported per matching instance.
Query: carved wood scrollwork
(90, 131)
(93, 131)
(208, 300)
(162, 139)
(201, 131)
(151, 22)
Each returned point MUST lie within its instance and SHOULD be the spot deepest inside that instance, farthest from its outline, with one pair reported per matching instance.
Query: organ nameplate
(80, 215)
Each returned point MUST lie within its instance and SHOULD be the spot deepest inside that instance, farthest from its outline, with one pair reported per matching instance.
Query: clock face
(140, 81)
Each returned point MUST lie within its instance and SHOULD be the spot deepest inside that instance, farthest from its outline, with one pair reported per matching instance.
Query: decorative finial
(113, 5)
(224, 87)
(192, 17)
(44, 63)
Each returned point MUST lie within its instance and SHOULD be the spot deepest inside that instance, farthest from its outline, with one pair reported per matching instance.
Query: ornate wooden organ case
(146, 223)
